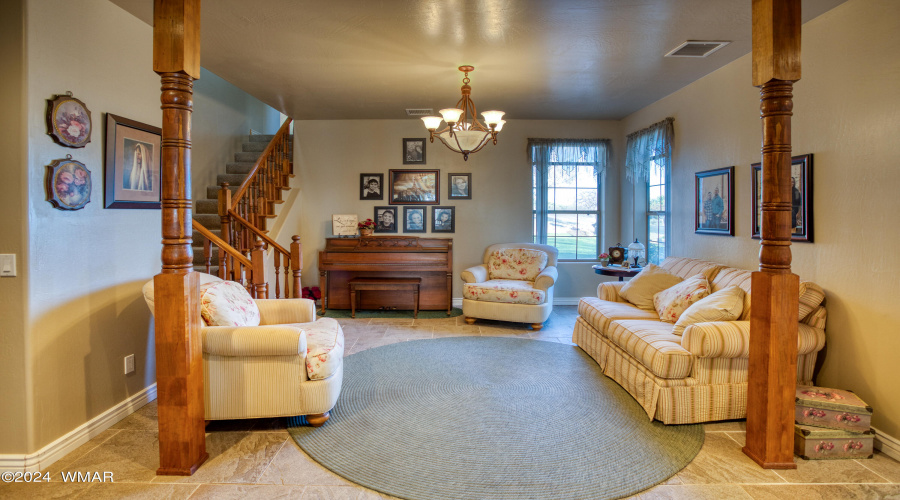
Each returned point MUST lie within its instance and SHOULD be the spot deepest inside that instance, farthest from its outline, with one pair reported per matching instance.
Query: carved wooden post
(258, 281)
(179, 365)
(772, 376)
(296, 265)
(224, 203)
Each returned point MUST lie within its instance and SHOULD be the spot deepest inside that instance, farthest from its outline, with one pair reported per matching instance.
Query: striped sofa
(700, 376)
(289, 365)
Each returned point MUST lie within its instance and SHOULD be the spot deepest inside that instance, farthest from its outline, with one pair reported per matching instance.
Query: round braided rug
(492, 418)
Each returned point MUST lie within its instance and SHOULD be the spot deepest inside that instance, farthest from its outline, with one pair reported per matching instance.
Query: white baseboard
(886, 444)
(44, 457)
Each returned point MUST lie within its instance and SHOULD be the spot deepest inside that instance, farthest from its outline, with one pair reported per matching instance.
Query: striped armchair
(289, 365)
(700, 376)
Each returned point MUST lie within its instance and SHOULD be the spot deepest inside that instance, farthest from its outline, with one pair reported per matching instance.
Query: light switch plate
(8, 264)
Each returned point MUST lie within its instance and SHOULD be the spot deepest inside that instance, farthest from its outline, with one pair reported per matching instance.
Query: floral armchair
(515, 283)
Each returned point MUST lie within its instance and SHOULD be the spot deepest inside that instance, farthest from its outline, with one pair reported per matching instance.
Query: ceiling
(534, 59)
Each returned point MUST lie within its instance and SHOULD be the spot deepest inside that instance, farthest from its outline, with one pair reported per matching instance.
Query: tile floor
(258, 459)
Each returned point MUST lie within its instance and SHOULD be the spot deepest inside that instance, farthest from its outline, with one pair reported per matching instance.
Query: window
(647, 160)
(566, 193)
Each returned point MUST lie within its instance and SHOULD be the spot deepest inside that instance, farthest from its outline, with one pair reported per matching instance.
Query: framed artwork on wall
(68, 184)
(459, 186)
(414, 219)
(68, 121)
(443, 219)
(414, 151)
(371, 186)
(385, 219)
(714, 202)
(133, 167)
(801, 199)
(414, 187)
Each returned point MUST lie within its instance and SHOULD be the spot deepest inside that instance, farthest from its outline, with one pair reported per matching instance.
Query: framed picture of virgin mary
(133, 167)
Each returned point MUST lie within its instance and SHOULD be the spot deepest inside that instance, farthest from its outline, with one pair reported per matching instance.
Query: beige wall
(223, 117)
(847, 114)
(78, 310)
(13, 230)
(330, 155)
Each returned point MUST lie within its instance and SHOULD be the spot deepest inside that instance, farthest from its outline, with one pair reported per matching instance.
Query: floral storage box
(817, 443)
(832, 408)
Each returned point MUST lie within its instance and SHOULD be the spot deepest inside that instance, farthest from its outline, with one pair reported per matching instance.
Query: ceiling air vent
(697, 48)
(419, 112)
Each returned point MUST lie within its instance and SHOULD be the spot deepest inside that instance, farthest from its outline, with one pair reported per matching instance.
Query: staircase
(206, 211)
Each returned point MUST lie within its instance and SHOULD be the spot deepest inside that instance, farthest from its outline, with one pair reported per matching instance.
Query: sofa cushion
(684, 267)
(728, 276)
(324, 347)
(516, 264)
(673, 301)
(650, 281)
(205, 281)
(724, 305)
(599, 313)
(505, 291)
(653, 345)
(227, 303)
(811, 295)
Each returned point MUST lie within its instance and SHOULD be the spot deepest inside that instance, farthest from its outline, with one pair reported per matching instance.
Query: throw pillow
(516, 264)
(227, 303)
(672, 302)
(725, 305)
(647, 283)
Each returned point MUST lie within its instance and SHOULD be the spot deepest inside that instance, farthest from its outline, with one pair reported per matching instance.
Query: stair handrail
(250, 269)
(281, 135)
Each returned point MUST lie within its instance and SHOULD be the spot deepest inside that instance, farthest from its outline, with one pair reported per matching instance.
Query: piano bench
(392, 284)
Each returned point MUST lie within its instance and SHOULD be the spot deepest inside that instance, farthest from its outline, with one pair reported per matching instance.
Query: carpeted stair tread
(209, 221)
(231, 179)
(265, 138)
(252, 156)
(254, 146)
(212, 192)
(239, 167)
(206, 206)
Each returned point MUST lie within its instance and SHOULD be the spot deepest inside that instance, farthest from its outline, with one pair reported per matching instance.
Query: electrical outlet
(129, 364)
(8, 264)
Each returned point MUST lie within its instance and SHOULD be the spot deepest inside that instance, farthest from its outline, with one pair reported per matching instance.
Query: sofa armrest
(609, 290)
(285, 311)
(718, 339)
(475, 274)
(271, 340)
(547, 278)
(731, 339)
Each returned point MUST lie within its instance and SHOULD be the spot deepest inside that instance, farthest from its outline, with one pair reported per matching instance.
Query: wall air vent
(419, 112)
(697, 48)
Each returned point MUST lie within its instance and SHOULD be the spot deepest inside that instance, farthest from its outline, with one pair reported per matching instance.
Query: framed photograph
(385, 219)
(714, 202)
(371, 186)
(801, 199)
(68, 121)
(414, 187)
(414, 151)
(344, 224)
(443, 219)
(133, 168)
(414, 219)
(68, 184)
(459, 186)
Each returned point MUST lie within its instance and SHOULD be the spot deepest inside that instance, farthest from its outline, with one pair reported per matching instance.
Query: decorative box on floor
(832, 408)
(818, 443)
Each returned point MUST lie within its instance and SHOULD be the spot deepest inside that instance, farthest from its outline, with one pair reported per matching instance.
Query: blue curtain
(643, 145)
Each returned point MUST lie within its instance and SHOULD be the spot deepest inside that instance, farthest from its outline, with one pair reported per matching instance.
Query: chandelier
(464, 133)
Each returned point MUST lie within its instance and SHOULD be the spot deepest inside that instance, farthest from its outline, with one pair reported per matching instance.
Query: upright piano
(343, 259)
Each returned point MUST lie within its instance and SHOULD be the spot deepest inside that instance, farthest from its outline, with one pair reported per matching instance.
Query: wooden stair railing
(270, 175)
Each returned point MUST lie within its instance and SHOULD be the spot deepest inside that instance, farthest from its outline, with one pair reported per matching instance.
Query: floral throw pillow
(227, 303)
(672, 302)
(724, 305)
(516, 264)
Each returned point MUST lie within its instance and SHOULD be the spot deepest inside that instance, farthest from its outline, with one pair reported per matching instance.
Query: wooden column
(179, 363)
(773, 321)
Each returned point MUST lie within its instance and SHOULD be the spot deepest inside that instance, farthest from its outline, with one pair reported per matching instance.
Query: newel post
(179, 365)
(772, 370)
(296, 265)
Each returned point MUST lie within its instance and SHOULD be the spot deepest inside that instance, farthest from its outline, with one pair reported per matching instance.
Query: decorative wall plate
(68, 121)
(68, 184)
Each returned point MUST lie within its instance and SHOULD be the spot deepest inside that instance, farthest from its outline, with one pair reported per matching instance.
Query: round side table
(619, 272)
